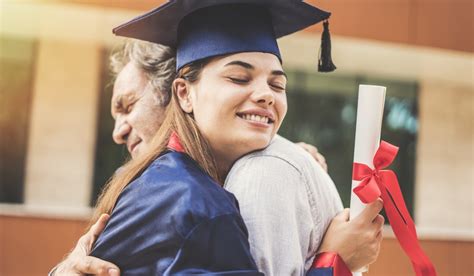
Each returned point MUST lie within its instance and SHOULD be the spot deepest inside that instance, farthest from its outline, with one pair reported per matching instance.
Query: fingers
(84, 245)
(378, 242)
(92, 265)
(379, 236)
(99, 225)
(309, 148)
(322, 161)
(371, 211)
(315, 154)
(379, 221)
(78, 263)
(378, 224)
(343, 216)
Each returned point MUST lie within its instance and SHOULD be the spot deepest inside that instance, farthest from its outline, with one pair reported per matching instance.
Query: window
(16, 84)
(322, 111)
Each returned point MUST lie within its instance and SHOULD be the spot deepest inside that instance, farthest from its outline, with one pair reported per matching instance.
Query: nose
(263, 94)
(121, 131)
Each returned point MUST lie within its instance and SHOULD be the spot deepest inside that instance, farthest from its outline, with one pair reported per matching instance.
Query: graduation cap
(199, 29)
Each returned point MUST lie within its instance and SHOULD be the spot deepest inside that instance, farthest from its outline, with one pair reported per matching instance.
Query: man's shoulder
(280, 150)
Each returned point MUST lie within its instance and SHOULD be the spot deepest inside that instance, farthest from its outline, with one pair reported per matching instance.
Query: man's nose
(121, 131)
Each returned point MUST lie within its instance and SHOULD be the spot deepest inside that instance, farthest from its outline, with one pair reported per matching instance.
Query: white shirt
(287, 201)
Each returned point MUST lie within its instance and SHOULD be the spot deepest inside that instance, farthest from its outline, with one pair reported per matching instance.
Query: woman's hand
(356, 241)
(79, 263)
(315, 153)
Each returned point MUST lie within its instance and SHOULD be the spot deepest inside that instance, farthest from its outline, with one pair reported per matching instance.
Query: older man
(145, 72)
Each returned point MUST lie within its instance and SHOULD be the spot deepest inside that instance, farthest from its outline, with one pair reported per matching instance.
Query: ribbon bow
(377, 183)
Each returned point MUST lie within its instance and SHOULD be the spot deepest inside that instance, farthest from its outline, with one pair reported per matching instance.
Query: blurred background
(56, 149)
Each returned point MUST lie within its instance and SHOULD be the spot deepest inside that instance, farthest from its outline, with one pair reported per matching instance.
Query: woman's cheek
(281, 106)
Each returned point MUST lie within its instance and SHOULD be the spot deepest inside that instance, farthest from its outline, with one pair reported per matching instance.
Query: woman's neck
(224, 164)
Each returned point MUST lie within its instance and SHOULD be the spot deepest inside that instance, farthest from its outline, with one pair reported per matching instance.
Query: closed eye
(278, 87)
(238, 80)
(129, 108)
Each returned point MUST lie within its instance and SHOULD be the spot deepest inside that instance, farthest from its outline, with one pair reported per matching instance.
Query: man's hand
(356, 241)
(315, 153)
(79, 263)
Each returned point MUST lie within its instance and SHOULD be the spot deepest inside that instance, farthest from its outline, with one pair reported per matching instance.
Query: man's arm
(79, 263)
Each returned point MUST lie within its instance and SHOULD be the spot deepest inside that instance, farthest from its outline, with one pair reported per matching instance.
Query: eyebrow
(279, 73)
(251, 67)
(241, 63)
(118, 104)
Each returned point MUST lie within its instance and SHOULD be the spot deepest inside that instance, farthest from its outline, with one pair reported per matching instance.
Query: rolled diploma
(367, 138)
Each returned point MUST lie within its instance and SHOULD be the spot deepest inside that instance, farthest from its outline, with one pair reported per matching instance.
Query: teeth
(256, 118)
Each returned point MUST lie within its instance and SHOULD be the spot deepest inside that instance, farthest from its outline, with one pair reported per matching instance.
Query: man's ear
(183, 94)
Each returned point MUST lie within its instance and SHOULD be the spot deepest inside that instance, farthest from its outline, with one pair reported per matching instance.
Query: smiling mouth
(255, 118)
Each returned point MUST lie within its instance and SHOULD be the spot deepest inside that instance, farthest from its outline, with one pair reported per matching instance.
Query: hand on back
(78, 262)
(315, 154)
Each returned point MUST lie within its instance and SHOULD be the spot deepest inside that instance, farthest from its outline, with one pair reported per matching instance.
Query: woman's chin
(259, 143)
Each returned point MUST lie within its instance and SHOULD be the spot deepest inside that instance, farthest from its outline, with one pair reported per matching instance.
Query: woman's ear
(183, 94)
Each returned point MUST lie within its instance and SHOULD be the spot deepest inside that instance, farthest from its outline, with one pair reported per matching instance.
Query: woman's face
(239, 103)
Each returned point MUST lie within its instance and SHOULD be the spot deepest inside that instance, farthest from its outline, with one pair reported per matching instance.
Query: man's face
(136, 110)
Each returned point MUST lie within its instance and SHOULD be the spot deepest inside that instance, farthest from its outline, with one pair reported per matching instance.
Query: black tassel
(325, 63)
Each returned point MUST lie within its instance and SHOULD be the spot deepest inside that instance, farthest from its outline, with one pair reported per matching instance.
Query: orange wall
(32, 246)
(444, 24)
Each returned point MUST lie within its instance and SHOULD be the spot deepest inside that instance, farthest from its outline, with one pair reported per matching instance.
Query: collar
(174, 143)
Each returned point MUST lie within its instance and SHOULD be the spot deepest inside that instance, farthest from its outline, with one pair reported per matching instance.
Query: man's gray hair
(157, 61)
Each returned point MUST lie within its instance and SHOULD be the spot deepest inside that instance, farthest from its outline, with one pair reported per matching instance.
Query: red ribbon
(331, 260)
(384, 183)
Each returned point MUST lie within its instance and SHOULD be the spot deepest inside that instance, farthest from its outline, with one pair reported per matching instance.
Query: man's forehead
(130, 82)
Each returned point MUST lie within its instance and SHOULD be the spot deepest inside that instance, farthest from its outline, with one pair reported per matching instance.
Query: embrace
(211, 188)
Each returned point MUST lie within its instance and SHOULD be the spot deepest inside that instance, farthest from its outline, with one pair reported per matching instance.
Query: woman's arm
(274, 205)
(160, 222)
(356, 241)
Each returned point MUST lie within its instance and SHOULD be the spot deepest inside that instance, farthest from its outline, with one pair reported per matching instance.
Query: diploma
(367, 137)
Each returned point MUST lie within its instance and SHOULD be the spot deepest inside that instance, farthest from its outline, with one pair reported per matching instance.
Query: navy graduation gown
(175, 219)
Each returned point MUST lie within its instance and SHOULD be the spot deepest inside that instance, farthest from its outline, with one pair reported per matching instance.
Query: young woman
(168, 213)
